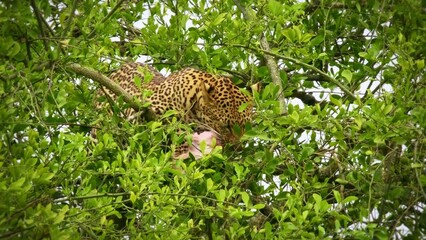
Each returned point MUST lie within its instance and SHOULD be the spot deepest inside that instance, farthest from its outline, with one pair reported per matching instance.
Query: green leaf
(219, 19)
(387, 109)
(190, 223)
(45, 178)
(342, 181)
(209, 184)
(317, 40)
(195, 48)
(290, 34)
(417, 165)
(138, 81)
(17, 185)
(317, 198)
(246, 198)
(420, 63)
(155, 125)
(289, 226)
(238, 170)
(268, 228)
(369, 152)
(295, 116)
(350, 199)
(323, 56)
(61, 215)
(203, 146)
(358, 7)
(243, 107)
(13, 49)
(363, 54)
(347, 74)
(146, 73)
(259, 206)
(132, 197)
(61, 98)
(275, 7)
(379, 139)
(298, 33)
(335, 101)
(169, 113)
(337, 196)
(198, 175)
(306, 152)
(306, 37)
(221, 195)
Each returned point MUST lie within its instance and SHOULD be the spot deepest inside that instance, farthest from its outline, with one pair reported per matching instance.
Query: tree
(336, 150)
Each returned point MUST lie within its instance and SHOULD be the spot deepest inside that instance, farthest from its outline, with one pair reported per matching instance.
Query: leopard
(211, 102)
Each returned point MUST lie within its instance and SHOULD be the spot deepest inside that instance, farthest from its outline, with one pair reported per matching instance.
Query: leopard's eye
(228, 127)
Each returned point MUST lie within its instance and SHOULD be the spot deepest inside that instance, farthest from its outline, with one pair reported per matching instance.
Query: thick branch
(270, 61)
(305, 98)
(105, 81)
(275, 75)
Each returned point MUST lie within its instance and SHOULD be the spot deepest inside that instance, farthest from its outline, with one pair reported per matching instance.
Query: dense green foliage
(345, 160)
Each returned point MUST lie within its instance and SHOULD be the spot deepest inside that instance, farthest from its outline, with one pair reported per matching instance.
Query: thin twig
(40, 24)
(70, 18)
(65, 199)
(42, 21)
(36, 68)
(15, 232)
(48, 27)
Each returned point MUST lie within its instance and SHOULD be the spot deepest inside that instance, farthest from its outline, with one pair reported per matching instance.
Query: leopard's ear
(207, 98)
(255, 87)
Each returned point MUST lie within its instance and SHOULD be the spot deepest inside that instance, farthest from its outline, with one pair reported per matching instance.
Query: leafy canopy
(342, 157)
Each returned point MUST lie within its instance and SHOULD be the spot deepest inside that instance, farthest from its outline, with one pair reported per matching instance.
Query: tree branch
(105, 81)
(64, 199)
(70, 18)
(270, 61)
(40, 24)
(305, 98)
(298, 62)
